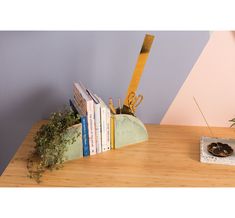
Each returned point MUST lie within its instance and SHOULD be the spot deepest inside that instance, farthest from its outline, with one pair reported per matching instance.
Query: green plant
(51, 143)
(233, 122)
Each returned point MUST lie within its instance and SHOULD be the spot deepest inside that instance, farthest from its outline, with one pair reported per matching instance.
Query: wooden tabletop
(169, 159)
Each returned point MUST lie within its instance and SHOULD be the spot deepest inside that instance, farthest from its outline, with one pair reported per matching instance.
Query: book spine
(108, 129)
(91, 127)
(85, 139)
(112, 131)
(103, 129)
(98, 128)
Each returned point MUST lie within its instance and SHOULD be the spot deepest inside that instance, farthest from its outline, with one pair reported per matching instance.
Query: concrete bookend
(75, 150)
(129, 130)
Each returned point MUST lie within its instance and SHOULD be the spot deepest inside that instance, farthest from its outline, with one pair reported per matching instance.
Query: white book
(91, 127)
(97, 109)
(104, 130)
(86, 103)
(98, 128)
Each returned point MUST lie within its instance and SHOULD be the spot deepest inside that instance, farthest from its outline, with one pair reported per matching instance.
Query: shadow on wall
(32, 108)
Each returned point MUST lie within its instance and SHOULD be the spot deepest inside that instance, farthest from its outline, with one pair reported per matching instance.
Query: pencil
(111, 106)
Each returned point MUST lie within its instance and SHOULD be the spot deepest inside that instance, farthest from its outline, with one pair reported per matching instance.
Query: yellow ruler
(142, 59)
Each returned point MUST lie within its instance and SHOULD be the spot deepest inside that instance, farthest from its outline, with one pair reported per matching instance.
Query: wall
(37, 70)
(211, 81)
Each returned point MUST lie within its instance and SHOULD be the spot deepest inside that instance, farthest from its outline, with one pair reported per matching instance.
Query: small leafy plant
(51, 143)
(233, 122)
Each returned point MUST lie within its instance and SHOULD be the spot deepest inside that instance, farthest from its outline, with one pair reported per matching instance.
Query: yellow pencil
(111, 106)
(119, 105)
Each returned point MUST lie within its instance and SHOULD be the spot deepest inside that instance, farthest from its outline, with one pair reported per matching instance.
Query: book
(86, 106)
(97, 109)
(80, 99)
(104, 126)
(73, 107)
(108, 114)
(85, 138)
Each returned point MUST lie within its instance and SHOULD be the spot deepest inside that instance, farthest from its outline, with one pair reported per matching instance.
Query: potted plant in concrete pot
(55, 142)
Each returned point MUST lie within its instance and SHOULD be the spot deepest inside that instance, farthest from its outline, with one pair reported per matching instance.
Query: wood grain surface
(169, 159)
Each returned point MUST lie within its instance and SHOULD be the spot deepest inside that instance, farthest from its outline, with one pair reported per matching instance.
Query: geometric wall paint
(212, 82)
(172, 56)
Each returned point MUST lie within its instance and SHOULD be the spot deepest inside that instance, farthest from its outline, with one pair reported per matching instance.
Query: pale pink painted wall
(212, 82)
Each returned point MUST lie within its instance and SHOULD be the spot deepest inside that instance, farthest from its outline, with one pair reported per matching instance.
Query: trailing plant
(50, 143)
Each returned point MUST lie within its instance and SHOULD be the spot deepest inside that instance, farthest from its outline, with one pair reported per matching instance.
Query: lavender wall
(37, 70)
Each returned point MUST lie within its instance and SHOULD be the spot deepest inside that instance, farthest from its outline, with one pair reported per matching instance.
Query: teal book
(85, 138)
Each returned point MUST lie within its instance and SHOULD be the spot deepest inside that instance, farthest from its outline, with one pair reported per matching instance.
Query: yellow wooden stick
(112, 131)
(142, 59)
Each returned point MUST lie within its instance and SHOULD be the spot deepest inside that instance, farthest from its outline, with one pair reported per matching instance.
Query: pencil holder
(128, 130)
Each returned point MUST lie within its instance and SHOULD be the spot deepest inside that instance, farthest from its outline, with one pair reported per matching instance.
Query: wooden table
(169, 159)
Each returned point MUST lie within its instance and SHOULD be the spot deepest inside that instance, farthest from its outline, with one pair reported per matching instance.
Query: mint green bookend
(75, 150)
(129, 130)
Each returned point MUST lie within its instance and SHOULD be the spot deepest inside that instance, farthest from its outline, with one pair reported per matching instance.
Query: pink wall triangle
(212, 82)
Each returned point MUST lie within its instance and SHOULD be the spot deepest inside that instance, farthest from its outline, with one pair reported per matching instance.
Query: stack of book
(95, 118)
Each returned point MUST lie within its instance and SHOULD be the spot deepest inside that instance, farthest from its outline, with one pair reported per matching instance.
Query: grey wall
(37, 70)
